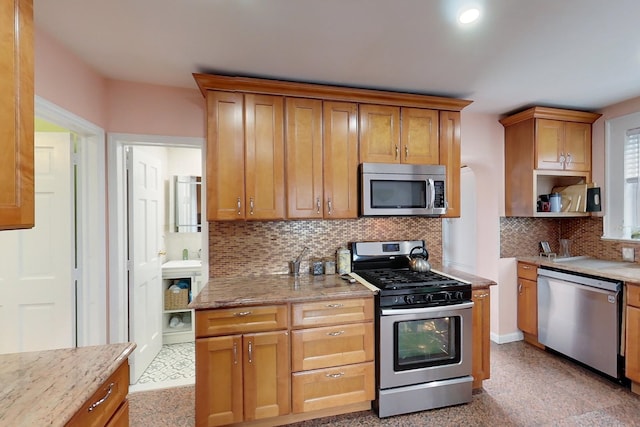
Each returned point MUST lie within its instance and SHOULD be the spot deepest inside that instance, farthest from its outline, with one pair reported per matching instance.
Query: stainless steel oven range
(423, 330)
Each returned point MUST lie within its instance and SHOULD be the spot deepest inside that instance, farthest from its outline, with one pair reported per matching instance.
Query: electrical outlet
(628, 254)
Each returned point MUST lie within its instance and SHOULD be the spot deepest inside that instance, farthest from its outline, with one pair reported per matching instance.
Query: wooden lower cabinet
(528, 302)
(242, 364)
(632, 330)
(317, 363)
(108, 406)
(332, 359)
(481, 339)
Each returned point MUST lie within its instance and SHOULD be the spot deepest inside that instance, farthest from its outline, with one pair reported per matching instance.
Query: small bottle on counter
(185, 254)
(329, 266)
(343, 256)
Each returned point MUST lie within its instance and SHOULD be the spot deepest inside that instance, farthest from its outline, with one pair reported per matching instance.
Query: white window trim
(616, 132)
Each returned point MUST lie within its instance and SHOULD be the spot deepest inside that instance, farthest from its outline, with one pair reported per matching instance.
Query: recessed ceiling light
(469, 15)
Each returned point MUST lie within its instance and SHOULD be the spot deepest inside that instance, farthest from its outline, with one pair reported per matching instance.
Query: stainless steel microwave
(390, 189)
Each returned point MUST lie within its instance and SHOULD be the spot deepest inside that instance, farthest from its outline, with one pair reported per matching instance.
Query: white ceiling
(581, 54)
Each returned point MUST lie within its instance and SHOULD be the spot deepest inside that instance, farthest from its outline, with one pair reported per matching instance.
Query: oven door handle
(423, 310)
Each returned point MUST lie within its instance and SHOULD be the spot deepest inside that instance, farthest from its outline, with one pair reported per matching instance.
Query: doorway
(125, 308)
(56, 272)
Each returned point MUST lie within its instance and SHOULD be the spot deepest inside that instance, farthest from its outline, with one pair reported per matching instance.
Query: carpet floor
(528, 387)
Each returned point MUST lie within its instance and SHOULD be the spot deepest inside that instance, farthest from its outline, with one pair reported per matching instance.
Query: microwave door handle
(432, 193)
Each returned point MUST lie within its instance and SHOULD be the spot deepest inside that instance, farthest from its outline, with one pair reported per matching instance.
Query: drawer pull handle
(242, 313)
(338, 375)
(235, 353)
(101, 401)
(250, 352)
(334, 305)
(335, 334)
(526, 267)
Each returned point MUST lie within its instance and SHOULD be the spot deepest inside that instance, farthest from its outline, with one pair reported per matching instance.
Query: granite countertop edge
(623, 271)
(282, 288)
(48, 387)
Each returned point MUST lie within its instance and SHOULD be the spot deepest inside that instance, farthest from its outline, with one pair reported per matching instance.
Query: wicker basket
(176, 299)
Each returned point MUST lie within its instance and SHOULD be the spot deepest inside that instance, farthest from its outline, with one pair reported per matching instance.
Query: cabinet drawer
(102, 405)
(331, 346)
(332, 312)
(528, 271)
(332, 387)
(121, 417)
(633, 295)
(240, 320)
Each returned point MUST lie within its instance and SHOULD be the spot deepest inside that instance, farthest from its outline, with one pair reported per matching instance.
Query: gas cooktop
(385, 266)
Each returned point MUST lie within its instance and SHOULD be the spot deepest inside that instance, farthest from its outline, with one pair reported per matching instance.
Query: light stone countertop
(283, 288)
(616, 270)
(46, 388)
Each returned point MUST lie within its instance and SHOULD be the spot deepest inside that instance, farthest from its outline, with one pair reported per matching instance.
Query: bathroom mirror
(187, 200)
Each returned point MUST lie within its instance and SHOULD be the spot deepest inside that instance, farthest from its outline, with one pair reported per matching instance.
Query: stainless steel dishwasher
(580, 317)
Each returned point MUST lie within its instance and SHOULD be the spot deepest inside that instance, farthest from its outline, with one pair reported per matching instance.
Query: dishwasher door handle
(585, 288)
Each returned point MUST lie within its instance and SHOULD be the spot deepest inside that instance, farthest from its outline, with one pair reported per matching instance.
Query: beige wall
(115, 106)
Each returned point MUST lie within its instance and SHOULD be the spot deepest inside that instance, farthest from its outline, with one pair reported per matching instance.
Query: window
(622, 211)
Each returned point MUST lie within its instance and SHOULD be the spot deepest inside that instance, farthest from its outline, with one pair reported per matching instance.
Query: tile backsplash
(245, 248)
(522, 236)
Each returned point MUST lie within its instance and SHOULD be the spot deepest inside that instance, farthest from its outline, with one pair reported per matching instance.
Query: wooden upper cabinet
(245, 156)
(225, 156)
(304, 158)
(379, 134)
(543, 148)
(450, 157)
(340, 159)
(264, 157)
(17, 209)
(563, 145)
(419, 137)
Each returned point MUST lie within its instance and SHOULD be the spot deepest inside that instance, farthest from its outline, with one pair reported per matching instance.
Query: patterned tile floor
(173, 366)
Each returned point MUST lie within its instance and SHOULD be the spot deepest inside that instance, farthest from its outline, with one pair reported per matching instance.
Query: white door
(145, 279)
(37, 288)
(459, 235)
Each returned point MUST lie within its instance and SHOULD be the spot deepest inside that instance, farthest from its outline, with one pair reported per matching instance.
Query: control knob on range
(459, 295)
(410, 299)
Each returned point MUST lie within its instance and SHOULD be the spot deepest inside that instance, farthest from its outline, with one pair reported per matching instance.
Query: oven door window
(426, 342)
(398, 194)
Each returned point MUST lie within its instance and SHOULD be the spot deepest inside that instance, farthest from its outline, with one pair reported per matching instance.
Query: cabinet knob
(569, 159)
(329, 206)
(250, 205)
(406, 151)
(239, 206)
(397, 151)
(336, 375)
(335, 334)
(318, 205)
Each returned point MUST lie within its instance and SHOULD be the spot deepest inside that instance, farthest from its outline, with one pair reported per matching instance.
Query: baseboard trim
(503, 339)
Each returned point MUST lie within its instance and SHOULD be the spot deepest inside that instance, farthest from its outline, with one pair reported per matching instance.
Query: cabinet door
(419, 137)
(528, 306)
(219, 381)
(340, 160)
(225, 156)
(549, 144)
(264, 157)
(16, 115)
(304, 158)
(266, 375)
(577, 146)
(632, 354)
(450, 157)
(379, 134)
(481, 341)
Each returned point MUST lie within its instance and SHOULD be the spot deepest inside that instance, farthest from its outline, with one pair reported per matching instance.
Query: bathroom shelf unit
(184, 331)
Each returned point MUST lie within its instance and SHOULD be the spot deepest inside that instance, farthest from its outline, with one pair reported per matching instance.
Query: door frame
(91, 231)
(117, 215)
